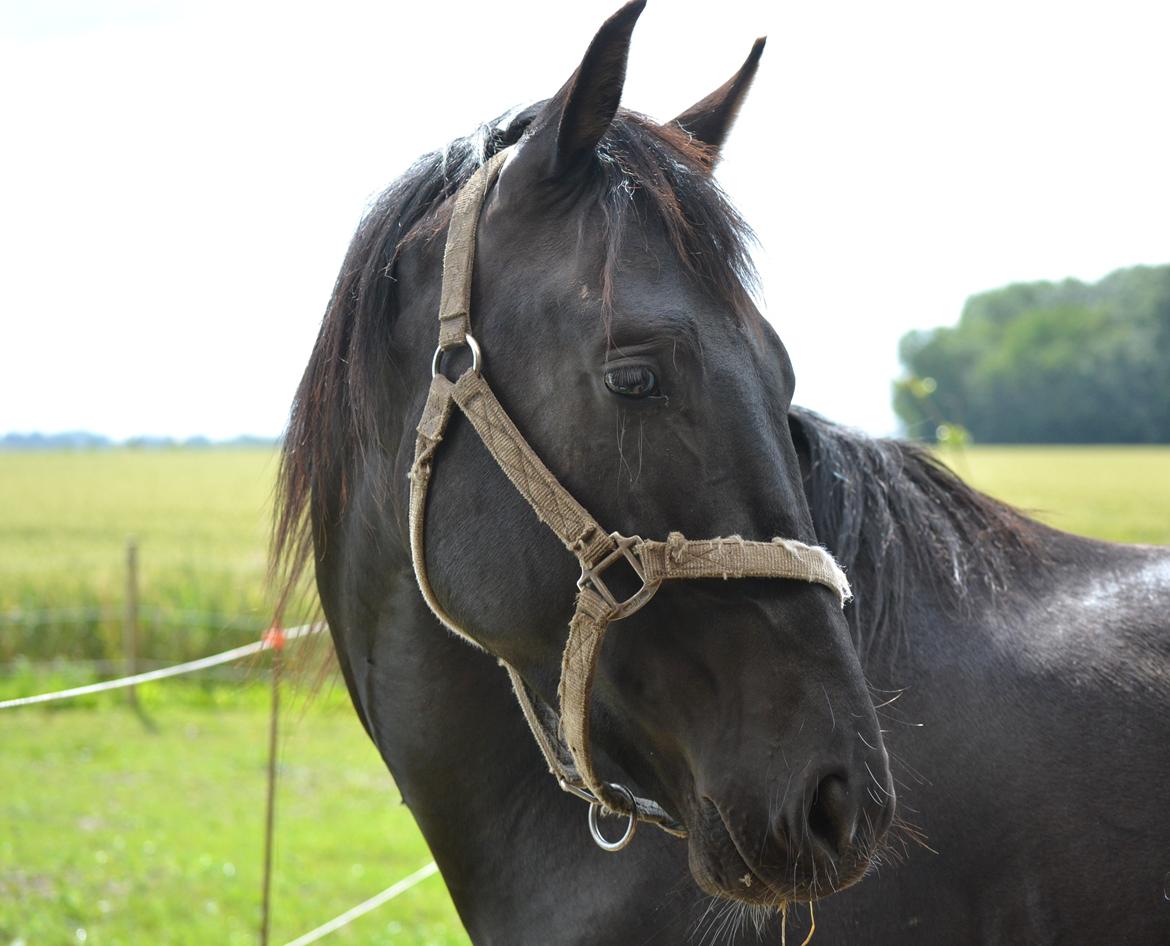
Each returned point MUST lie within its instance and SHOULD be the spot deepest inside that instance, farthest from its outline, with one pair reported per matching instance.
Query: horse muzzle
(819, 838)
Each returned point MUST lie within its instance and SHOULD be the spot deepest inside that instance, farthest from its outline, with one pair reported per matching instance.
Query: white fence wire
(366, 906)
(227, 656)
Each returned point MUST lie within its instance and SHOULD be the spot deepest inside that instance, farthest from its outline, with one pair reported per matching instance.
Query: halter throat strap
(564, 738)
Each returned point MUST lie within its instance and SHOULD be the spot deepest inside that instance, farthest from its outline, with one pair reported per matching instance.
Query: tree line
(1044, 362)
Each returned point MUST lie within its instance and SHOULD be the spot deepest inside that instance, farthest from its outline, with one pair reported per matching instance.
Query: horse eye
(632, 381)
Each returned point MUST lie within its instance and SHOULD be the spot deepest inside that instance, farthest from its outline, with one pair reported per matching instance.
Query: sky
(179, 181)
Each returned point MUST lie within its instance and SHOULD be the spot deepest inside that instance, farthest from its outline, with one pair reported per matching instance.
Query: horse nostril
(832, 816)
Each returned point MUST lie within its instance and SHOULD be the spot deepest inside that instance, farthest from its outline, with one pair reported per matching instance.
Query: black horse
(1021, 674)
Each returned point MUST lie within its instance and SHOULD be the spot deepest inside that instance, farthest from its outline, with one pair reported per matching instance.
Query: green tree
(1045, 362)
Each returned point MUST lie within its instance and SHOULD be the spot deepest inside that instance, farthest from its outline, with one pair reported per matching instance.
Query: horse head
(611, 299)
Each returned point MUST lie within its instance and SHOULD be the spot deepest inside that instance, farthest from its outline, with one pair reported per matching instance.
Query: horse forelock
(663, 170)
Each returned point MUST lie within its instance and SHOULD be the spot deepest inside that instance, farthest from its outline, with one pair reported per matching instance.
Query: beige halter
(565, 741)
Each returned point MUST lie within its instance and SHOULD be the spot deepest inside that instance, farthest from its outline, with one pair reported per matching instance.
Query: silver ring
(631, 825)
(471, 343)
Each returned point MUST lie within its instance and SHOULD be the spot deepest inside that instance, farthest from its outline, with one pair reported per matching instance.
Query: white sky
(179, 181)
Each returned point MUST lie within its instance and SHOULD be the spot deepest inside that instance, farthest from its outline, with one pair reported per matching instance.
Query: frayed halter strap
(564, 738)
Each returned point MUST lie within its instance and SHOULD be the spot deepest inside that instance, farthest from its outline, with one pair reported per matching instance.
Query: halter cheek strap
(564, 739)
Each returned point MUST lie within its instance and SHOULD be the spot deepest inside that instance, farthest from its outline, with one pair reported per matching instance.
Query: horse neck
(432, 705)
(445, 721)
(923, 550)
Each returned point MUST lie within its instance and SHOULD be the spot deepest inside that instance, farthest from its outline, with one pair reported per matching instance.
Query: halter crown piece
(564, 738)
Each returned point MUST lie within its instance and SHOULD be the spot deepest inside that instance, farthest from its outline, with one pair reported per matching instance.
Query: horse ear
(710, 119)
(573, 121)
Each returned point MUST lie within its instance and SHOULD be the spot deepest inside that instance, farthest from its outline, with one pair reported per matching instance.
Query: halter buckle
(591, 577)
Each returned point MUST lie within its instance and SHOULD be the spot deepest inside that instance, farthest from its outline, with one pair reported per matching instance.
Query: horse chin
(721, 868)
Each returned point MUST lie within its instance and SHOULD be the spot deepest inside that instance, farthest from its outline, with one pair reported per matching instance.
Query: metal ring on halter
(471, 343)
(631, 826)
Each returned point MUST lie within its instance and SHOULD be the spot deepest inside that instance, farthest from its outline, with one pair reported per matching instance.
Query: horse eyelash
(626, 374)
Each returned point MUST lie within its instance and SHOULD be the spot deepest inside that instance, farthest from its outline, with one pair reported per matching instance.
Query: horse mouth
(721, 865)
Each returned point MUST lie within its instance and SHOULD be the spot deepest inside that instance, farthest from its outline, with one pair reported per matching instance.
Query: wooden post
(130, 622)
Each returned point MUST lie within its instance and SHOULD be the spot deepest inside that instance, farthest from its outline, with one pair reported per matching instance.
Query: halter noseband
(564, 739)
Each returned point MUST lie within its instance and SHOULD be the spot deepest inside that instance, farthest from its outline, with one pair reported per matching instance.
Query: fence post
(130, 620)
(274, 640)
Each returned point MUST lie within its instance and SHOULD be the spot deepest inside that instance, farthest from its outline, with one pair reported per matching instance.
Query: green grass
(153, 836)
(139, 836)
(201, 517)
(1116, 493)
(201, 520)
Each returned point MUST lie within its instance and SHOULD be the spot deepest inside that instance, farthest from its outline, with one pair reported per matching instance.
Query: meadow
(200, 519)
(120, 828)
(112, 832)
(1116, 493)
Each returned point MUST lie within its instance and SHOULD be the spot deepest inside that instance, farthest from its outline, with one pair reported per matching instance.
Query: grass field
(1116, 493)
(201, 521)
(112, 832)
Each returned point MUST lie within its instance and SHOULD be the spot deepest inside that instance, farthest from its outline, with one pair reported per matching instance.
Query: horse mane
(646, 174)
(901, 523)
